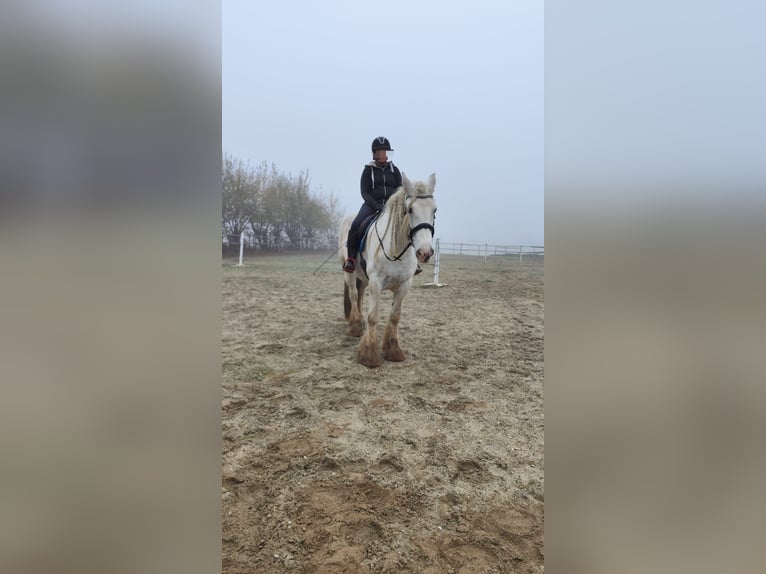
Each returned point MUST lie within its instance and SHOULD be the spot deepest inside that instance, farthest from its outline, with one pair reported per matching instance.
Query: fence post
(435, 283)
(241, 248)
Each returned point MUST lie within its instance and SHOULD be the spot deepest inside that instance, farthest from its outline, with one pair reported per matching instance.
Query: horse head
(421, 212)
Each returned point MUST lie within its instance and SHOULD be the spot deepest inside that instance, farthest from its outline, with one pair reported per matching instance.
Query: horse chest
(394, 280)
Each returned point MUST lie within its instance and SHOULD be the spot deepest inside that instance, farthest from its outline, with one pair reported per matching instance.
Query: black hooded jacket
(379, 183)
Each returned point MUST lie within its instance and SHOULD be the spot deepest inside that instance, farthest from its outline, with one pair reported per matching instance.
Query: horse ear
(407, 183)
(432, 182)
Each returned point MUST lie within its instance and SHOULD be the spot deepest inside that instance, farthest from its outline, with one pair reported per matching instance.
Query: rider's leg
(352, 242)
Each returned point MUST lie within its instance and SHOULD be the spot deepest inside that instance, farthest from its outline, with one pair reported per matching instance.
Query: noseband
(420, 226)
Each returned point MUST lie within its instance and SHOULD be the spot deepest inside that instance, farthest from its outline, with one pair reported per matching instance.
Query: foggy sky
(457, 87)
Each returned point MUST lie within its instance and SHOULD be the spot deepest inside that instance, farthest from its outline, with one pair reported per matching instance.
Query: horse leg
(368, 353)
(351, 307)
(360, 289)
(346, 301)
(391, 349)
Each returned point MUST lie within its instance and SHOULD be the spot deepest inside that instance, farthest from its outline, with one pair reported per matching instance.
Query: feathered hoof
(369, 357)
(394, 354)
(355, 329)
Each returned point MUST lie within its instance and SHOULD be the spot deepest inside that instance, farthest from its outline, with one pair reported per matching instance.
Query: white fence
(486, 250)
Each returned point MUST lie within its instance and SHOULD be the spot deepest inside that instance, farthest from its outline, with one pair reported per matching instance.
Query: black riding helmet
(381, 143)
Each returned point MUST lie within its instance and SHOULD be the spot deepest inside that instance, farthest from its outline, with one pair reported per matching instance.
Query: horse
(400, 237)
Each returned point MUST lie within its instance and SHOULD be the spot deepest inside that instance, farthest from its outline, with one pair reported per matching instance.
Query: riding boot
(349, 265)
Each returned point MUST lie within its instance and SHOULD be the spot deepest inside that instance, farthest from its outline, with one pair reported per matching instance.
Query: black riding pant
(353, 234)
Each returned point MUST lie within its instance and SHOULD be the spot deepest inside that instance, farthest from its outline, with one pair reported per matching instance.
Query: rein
(413, 231)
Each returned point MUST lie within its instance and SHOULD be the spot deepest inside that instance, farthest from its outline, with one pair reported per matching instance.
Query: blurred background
(654, 286)
(110, 314)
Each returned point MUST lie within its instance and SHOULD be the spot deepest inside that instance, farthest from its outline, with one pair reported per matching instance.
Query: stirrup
(349, 266)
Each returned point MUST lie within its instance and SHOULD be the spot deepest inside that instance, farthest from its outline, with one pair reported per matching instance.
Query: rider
(380, 179)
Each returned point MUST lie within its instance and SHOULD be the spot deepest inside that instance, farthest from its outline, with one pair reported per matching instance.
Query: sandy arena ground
(430, 466)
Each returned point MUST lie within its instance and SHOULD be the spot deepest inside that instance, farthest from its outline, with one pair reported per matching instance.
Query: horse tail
(346, 301)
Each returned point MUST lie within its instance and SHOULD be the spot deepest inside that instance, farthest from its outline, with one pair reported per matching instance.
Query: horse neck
(397, 226)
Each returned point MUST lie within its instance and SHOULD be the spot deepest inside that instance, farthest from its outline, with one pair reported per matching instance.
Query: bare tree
(276, 210)
(238, 196)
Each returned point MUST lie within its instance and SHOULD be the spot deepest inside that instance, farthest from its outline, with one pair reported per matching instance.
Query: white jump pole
(241, 248)
(436, 268)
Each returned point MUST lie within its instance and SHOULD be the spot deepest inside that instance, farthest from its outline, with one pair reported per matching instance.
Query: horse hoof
(355, 330)
(369, 359)
(395, 355)
(372, 364)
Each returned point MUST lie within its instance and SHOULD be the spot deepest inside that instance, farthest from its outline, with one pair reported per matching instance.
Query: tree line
(276, 211)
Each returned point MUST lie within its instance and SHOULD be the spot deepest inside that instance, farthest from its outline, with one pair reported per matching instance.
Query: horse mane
(397, 215)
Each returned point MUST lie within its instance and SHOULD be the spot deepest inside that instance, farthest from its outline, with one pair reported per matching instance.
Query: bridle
(413, 230)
